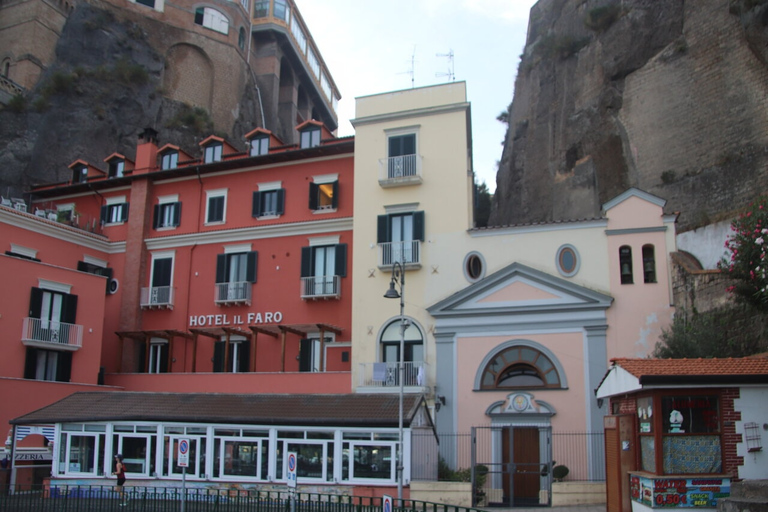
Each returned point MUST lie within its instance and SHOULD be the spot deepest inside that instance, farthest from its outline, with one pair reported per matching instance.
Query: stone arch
(188, 75)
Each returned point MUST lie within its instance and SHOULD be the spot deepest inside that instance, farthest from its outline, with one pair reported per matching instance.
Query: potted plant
(559, 472)
(481, 474)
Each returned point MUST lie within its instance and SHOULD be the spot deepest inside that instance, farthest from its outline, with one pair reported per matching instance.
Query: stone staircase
(746, 496)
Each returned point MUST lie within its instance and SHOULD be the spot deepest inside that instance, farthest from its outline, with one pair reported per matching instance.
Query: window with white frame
(116, 168)
(402, 159)
(79, 174)
(235, 273)
(212, 19)
(81, 450)
(169, 160)
(232, 356)
(167, 213)
(161, 278)
(269, 200)
(115, 211)
(314, 454)
(310, 137)
(324, 192)
(215, 206)
(322, 264)
(138, 446)
(260, 145)
(156, 357)
(241, 454)
(311, 356)
(369, 456)
(195, 468)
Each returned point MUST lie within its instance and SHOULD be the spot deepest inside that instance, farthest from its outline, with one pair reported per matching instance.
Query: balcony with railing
(157, 297)
(232, 294)
(385, 377)
(399, 171)
(37, 332)
(321, 287)
(406, 253)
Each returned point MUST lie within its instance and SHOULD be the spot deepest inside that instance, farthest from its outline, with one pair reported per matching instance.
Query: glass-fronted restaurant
(345, 441)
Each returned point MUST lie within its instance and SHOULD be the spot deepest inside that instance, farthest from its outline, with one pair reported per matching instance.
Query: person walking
(120, 473)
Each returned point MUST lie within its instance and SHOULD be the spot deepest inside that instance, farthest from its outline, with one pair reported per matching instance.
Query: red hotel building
(171, 278)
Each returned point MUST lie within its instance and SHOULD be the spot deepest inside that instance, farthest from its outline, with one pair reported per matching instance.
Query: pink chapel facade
(232, 272)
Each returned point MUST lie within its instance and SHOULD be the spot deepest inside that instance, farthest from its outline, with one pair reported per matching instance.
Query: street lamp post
(398, 277)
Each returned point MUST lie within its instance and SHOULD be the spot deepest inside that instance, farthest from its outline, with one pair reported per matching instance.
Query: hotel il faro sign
(252, 318)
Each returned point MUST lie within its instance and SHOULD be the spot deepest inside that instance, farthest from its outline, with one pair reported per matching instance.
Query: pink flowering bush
(747, 245)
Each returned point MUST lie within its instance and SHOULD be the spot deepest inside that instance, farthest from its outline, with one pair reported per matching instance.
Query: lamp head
(392, 293)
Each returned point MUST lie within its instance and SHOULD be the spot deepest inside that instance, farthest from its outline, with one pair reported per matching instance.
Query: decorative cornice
(315, 227)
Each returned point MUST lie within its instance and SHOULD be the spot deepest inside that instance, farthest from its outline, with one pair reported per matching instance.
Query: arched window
(413, 342)
(649, 264)
(241, 39)
(6, 67)
(519, 367)
(625, 264)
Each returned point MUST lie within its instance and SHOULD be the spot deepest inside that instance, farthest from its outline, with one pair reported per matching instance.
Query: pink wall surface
(640, 310)
(569, 404)
(304, 383)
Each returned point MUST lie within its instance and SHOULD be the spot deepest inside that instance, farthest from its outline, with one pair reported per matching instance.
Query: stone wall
(669, 98)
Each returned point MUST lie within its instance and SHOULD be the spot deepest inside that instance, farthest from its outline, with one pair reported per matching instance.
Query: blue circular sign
(291, 463)
(183, 446)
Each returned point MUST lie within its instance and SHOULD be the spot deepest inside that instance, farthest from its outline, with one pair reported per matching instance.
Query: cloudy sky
(373, 47)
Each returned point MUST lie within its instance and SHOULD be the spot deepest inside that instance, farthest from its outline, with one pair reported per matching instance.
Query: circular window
(474, 266)
(567, 260)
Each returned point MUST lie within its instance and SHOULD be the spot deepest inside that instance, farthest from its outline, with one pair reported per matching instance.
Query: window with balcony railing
(399, 237)
(322, 268)
(235, 275)
(160, 293)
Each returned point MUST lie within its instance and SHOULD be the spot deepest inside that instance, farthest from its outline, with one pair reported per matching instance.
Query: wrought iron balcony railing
(157, 297)
(321, 287)
(387, 376)
(36, 331)
(233, 293)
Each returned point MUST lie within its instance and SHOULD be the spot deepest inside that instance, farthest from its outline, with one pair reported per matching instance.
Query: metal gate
(512, 465)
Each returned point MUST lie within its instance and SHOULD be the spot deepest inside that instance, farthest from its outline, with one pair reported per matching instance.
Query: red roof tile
(698, 367)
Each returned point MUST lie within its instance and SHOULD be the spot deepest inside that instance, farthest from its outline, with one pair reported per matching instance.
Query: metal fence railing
(157, 499)
(583, 453)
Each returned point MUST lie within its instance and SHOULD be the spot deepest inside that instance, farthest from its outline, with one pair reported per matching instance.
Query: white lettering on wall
(250, 319)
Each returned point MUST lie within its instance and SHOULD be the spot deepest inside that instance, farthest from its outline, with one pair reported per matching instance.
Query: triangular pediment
(519, 288)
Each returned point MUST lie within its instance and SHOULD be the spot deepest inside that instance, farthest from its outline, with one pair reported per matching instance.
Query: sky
(373, 47)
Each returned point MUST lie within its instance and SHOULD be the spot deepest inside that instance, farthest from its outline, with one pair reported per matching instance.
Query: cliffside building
(212, 53)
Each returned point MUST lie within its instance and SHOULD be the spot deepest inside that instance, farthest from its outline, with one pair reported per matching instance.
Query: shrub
(560, 47)
(17, 104)
(130, 73)
(195, 118)
(560, 471)
(601, 18)
(748, 245)
(668, 177)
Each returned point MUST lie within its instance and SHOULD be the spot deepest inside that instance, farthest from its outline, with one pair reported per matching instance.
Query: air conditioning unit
(112, 286)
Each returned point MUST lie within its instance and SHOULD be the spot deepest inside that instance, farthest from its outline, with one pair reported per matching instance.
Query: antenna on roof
(450, 73)
(411, 71)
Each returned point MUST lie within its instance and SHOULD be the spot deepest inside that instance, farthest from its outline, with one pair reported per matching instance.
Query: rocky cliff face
(104, 89)
(665, 95)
